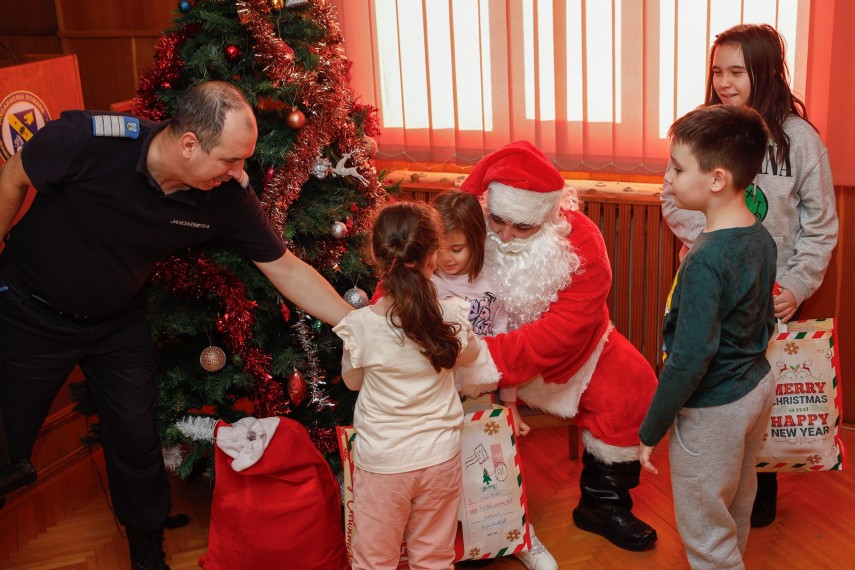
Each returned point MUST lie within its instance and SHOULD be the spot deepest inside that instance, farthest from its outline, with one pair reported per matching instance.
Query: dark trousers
(38, 350)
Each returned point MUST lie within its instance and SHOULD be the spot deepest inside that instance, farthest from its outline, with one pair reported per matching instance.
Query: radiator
(644, 258)
(642, 250)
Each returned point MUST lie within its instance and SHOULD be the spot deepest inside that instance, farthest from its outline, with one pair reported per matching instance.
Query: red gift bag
(281, 512)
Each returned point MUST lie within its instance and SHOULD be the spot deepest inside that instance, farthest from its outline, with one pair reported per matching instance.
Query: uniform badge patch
(116, 126)
(21, 114)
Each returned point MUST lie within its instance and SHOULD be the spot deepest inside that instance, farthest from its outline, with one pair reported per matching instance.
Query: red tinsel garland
(163, 71)
(328, 99)
(275, 57)
(196, 276)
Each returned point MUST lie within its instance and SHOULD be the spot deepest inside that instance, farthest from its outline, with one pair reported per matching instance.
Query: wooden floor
(815, 528)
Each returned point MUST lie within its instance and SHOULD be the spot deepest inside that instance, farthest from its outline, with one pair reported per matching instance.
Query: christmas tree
(229, 345)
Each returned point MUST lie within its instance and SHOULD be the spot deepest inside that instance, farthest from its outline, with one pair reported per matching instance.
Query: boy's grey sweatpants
(713, 452)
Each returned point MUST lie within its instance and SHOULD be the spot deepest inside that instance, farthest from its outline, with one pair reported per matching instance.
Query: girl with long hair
(399, 353)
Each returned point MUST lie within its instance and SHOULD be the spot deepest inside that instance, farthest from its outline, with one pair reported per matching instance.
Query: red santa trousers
(616, 400)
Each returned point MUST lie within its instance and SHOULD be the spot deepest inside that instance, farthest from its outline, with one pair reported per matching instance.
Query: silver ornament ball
(338, 230)
(321, 167)
(356, 297)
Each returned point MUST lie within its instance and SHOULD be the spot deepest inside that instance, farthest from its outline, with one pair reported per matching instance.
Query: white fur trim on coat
(478, 377)
(608, 453)
(562, 400)
(523, 206)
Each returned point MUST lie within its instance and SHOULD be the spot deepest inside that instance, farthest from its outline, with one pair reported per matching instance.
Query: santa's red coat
(584, 368)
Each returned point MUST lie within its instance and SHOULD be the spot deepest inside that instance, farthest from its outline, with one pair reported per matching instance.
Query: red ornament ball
(232, 52)
(296, 119)
(296, 388)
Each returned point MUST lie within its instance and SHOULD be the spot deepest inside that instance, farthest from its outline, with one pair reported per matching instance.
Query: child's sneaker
(538, 558)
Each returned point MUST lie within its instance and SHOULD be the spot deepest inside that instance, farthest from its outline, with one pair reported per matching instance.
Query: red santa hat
(525, 188)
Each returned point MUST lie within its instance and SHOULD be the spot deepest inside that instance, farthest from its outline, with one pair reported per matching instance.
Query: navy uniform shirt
(99, 221)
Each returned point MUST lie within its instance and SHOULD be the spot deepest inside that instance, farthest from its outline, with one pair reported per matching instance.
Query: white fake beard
(527, 274)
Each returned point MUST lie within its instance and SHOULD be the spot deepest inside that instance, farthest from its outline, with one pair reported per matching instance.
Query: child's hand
(520, 427)
(644, 456)
(785, 305)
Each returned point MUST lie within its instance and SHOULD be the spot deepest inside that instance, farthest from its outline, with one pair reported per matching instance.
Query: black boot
(766, 502)
(147, 550)
(605, 507)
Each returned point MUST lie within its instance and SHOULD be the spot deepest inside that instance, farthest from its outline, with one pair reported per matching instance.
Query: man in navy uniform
(116, 194)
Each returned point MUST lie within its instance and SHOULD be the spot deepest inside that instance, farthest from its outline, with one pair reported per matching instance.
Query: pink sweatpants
(419, 506)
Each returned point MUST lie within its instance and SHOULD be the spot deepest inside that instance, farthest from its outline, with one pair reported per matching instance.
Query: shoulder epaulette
(123, 126)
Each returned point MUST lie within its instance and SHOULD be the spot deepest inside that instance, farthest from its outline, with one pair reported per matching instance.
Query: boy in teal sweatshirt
(716, 388)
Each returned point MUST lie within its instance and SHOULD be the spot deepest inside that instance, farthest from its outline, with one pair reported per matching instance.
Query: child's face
(729, 75)
(689, 186)
(455, 256)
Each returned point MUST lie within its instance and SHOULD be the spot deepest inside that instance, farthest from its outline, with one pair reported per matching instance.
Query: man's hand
(785, 305)
(644, 456)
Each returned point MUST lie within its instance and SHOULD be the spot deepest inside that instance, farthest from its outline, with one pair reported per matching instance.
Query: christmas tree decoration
(290, 58)
(338, 230)
(296, 388)
(356, 297)
(295, 3)
(172, 458)
(232, 52)
(342, 170)
(197, 428)
(321, 167)
(212, 359)
(369, 145)
(185, 6)
(296, 119)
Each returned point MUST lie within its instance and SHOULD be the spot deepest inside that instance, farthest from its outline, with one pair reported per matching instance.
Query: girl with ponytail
(399, 353)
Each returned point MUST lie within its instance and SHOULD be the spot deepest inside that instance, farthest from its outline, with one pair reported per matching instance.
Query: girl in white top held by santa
(460, 273)
(399, 354)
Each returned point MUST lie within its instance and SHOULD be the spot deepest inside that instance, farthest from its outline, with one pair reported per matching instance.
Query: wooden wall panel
(27, 16)
(27, 27)
(106, 69)
(28, 48)
(114, 42)
(116, 15)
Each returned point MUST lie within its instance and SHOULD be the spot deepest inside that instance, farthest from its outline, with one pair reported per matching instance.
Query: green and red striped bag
(803, 432)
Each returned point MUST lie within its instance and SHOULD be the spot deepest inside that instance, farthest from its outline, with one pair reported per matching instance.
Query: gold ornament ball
(369, 145)
(277, 4)
(212, 359)
(296, 119)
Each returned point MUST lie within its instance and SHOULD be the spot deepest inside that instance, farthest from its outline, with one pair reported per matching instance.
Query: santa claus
(549, 265)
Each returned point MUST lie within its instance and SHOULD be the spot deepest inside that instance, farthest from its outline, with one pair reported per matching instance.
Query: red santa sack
(281, 511)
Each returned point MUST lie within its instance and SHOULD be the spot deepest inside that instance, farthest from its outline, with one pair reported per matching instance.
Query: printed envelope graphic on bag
(492, 513)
